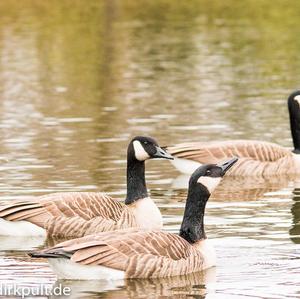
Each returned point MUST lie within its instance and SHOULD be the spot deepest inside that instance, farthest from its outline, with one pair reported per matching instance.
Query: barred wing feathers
(138, 253)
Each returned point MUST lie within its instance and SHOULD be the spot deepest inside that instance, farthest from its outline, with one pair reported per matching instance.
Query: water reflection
(12, 243)
(295, 211)
(195, 285)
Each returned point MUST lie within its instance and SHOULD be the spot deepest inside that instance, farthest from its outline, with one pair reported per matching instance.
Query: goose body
(256, 158)
(76, 214)
(136, 253)
(132, 254)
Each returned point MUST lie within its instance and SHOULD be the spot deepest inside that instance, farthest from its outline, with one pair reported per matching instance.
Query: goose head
(209, 175)
(144, 148)
(294, 98)
(294, 105)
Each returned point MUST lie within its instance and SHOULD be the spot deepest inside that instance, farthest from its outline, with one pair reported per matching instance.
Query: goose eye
(145, 142)
(208, 172)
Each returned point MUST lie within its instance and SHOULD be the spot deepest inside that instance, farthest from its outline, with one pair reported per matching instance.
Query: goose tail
(47, 254)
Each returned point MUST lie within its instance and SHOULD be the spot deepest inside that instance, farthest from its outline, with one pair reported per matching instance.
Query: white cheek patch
(139, 151)
(297, 98)
(209, 182)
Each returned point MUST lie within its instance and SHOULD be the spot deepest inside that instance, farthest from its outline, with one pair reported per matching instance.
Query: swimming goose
(255, 157)
(76, 214)
(135, 253)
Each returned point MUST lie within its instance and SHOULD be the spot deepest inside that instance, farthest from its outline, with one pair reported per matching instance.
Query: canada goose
(255, 157)
(135, 253)
(80, 213)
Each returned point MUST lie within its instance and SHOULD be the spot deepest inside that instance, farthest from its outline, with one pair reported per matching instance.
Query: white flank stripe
(20, 228)
(67, 269)
(184, 165)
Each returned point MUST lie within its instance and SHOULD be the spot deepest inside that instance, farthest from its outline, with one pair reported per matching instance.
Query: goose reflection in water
(194, 285)
(295, 211)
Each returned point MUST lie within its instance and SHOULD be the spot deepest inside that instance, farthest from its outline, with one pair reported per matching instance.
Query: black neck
(136, 184)
(295, 124)
(192, 227)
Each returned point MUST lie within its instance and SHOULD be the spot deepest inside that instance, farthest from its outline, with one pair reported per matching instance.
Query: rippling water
(79, 79)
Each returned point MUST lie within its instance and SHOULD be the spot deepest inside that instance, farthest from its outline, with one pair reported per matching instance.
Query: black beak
(161, 153)
(227, 165)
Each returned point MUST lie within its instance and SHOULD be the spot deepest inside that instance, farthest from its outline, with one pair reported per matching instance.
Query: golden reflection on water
(79, 78)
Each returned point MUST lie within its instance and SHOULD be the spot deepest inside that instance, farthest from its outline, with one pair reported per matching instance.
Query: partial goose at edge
(256, 158)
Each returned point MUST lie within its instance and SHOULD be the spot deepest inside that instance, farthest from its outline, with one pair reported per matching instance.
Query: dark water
(78, 79)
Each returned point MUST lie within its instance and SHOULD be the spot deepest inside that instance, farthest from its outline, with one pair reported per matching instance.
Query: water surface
(79, 79)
